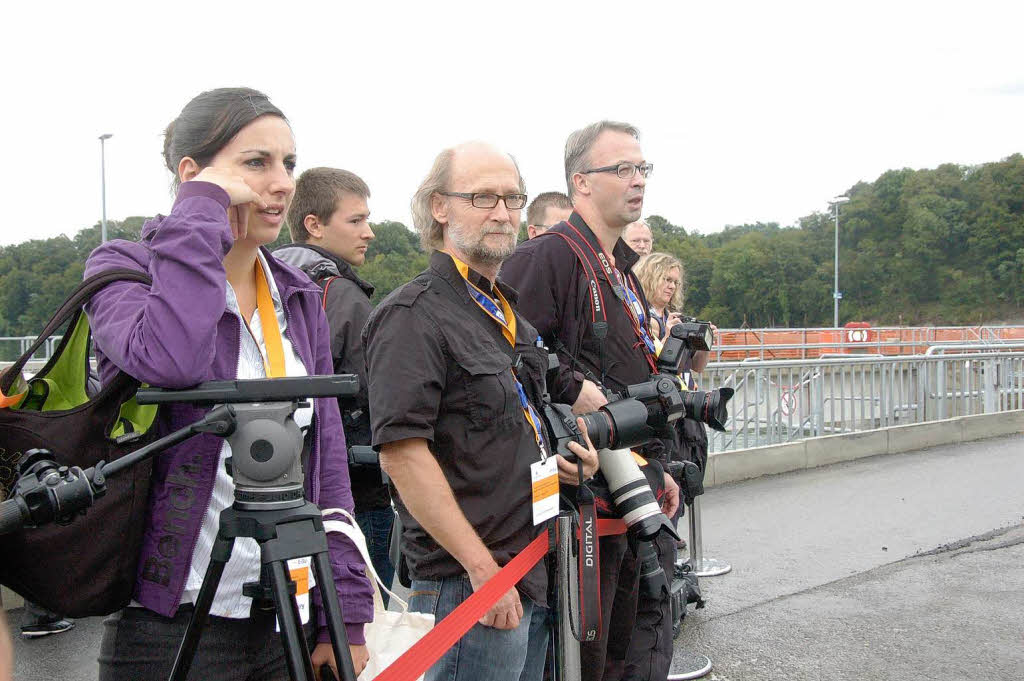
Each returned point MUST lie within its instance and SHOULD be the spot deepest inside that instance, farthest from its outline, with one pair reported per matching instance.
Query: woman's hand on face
(240, 194)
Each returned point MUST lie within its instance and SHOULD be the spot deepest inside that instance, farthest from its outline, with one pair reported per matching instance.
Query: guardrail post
(702, 567)
(817, 392)
(940, 388)
(990, 386)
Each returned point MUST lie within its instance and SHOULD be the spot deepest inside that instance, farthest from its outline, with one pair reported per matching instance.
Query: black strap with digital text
(589, 562)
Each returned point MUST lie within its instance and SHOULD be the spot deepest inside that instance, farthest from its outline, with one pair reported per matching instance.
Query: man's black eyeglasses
(512, 201)
(624, 170)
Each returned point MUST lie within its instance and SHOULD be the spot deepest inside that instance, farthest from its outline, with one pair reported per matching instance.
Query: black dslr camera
(696, 335)
(643, 412)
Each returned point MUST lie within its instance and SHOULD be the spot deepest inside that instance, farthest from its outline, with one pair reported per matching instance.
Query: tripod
(256, 417)
(282, 534)
(269, 506)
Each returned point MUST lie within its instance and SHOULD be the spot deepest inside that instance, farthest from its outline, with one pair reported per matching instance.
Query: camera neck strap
(589, 557)
(592, 257)
(501, 312)
(274, 359)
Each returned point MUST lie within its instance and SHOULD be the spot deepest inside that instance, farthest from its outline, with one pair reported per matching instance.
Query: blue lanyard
(488, 305)
(638, 312)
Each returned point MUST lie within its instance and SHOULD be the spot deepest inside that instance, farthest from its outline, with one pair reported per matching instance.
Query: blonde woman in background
(662, 278)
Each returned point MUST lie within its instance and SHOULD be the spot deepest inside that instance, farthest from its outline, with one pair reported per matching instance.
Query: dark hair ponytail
(210, 121)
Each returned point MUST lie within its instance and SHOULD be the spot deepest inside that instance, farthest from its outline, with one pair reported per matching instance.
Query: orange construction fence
(854, 338)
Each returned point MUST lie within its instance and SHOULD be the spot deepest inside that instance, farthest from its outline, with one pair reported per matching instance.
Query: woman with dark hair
(220, 306)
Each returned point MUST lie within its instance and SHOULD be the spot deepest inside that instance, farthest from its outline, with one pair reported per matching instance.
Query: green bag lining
(63, 387)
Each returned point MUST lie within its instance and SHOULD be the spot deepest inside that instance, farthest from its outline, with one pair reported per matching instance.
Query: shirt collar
(625, 257)
(274, 293)
(443, 265)
(232, 300)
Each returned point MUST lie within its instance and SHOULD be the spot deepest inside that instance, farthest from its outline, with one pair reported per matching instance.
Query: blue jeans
(376, 526)
(483, 652)
(537, 652)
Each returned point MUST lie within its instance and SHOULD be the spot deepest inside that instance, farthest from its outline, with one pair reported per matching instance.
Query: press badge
(638, 309)
(299, 572)
(544, 475)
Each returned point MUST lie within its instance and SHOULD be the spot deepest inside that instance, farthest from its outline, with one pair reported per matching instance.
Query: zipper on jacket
(209, 493)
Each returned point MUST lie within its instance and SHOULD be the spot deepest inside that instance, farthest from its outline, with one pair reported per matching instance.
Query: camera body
(643, 412)
(694, 334)
(649, 410)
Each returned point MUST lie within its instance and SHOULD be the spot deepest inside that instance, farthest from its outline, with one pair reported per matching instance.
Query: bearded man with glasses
(577, 287)
(456, 380)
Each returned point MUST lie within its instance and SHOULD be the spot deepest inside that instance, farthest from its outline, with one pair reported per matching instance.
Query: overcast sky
(749, 111)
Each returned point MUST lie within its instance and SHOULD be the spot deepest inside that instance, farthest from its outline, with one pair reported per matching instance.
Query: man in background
(639, 237)
(329, 225)
(546, 211)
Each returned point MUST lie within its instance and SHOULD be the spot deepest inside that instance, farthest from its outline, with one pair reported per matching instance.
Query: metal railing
(13, 347)
(781, 401)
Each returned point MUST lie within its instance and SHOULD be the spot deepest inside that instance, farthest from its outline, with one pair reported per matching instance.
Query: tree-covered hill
(941, 246)
(936, 246)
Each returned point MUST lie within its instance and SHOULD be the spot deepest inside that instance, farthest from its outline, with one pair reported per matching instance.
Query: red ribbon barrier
(443, 636)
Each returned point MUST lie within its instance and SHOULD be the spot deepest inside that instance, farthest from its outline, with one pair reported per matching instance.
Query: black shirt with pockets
(439, 368)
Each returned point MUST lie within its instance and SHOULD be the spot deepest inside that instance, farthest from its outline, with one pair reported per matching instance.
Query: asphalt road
(908, 566)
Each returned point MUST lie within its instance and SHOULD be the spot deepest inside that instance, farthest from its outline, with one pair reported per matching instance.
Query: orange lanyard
(274, 361)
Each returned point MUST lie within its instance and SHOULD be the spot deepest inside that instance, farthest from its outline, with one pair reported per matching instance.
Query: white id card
(544, 479)
(300, 572)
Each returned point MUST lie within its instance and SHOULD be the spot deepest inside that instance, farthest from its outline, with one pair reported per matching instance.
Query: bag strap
(352, 531)
(71, 306)
(326, 284)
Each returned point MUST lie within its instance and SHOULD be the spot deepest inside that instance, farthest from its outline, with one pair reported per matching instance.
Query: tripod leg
(190, 641)
(296, 654)
(335, 622)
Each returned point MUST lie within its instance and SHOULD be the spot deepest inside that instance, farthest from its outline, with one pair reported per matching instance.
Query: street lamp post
(836, 295)
(103, 184)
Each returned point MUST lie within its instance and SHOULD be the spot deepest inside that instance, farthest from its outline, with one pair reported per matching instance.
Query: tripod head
(254, 415)
(266, 443)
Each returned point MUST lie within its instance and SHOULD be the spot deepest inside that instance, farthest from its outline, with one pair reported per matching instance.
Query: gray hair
(641, 222)
(431, 231)
(438, 180)
(579, 144)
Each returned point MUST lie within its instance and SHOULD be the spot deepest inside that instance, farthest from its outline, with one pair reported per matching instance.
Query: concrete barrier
(924, 435)
(758, 461)
(753, 462)
(822, 451)
(991, 425)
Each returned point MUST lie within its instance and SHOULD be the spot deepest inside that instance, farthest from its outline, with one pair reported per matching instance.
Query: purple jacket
(176, 333)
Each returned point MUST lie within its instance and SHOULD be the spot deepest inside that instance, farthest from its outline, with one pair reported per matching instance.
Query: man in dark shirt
(329, 224)
(606, 175)
(456, 379)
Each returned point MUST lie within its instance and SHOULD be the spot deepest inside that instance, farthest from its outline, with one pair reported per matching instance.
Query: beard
(471, 243)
